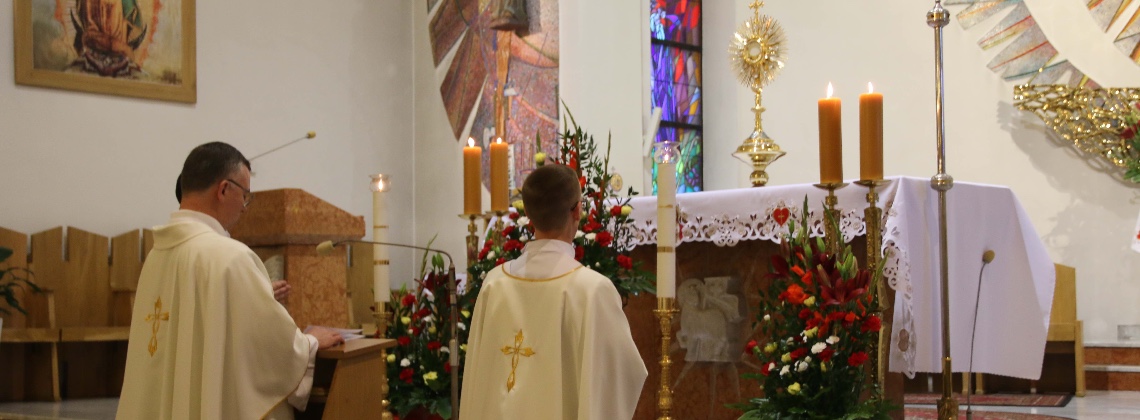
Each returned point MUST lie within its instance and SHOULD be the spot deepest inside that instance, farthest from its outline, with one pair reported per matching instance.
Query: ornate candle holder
(497, 233)
(873, 217)
(832, 235)
(666, 308)
(382, 316)
(472, 237)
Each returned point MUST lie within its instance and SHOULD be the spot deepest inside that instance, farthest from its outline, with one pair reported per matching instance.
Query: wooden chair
(73, 343)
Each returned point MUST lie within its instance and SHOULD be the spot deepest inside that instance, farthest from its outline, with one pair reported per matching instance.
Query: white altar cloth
(1016, 292)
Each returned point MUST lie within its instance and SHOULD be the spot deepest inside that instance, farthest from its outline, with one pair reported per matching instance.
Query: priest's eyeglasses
(246, 195)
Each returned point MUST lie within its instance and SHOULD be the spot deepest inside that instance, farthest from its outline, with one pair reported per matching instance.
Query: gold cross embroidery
(515, 352)
(157, 317)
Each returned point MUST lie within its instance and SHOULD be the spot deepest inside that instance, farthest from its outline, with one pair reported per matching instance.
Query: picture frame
(134, 48)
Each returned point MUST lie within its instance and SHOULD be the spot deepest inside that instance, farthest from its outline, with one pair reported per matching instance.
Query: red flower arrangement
(818, 314)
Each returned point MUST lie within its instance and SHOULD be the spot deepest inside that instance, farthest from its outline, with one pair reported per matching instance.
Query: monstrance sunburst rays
(757, 52)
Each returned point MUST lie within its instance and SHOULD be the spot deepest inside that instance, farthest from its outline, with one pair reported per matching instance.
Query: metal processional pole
(937, 18)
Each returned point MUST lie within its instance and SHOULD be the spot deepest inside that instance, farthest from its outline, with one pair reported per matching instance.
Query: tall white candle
(380, 265)
(666, 230)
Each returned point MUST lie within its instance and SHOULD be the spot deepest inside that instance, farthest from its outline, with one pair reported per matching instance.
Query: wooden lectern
(349, 381)
(291, 222)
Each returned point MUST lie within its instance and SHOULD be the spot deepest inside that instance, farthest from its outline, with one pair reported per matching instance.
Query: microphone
(987, 258)
(326, 248)
(307, 136)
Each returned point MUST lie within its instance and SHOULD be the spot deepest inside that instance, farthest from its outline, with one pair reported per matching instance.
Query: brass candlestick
(666, 308)
(831, 216)
(938, 18)
(873, 217)
(472, 238)
(497, 233)
(382, 316)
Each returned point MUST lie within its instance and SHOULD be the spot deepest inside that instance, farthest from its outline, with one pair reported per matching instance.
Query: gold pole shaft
(382, 316)
(938, 18)
(472, 239)
(665, 310)
(831, 223)
(873, 217)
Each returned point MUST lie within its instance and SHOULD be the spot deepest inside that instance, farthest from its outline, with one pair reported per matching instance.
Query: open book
(346, 334)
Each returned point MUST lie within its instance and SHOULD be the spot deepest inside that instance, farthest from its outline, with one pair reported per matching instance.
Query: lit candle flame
(870, 88)
(830, 90)
(470, 142)
(499, 140)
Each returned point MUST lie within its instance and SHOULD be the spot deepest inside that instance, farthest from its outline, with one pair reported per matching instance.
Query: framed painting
(136, 48)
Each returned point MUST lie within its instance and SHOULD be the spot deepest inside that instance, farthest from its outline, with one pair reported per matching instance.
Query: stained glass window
(675, 85)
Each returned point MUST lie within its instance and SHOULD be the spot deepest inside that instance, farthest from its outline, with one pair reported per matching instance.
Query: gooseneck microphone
(326, 248)
(987, 258)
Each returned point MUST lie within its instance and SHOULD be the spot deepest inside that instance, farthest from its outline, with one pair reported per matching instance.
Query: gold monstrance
(757, 52)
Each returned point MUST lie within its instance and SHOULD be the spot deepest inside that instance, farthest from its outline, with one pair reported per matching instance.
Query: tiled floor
(1097, 405)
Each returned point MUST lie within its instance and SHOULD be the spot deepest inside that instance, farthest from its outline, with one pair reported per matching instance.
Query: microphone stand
(453, 303)
(987, 257)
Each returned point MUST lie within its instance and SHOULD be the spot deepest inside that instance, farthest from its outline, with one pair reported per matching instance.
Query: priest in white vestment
(548, 337)
(208, 340)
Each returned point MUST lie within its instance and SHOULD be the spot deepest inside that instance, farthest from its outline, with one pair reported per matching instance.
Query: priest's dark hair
(549, 193)
(206, 165)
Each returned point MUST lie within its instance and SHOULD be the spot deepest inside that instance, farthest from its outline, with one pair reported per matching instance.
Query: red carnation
(408, 300)
(615, 211)
(849, 318)
(798, 353)
(404, 340)
(500, 261)
(433, 345)
(447, 367)
(625, 262)
(423, 312)
(795, 294)
(514, 216)
(872, 323)
(751, 346)
(604, 238)
(826, 354)
(507, 231)
(512, 245)
(857, 359)
(805, 313)
(407, 374)
(765, 369)
(579, 252)
(416, 330)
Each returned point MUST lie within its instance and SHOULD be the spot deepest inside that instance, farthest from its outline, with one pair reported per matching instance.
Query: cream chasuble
(208, 341)
(549, 340)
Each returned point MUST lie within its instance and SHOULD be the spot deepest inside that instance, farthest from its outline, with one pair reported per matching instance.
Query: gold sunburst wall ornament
(757, 52)
(1092, 119)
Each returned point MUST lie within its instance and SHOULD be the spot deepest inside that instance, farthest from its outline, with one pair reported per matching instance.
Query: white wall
(108, 164)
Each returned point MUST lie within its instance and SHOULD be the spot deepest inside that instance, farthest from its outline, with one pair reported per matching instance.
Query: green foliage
(12, 278)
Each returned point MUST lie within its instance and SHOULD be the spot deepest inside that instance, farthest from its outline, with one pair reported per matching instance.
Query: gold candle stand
(873, 217)
(382, 317)
(497, 234)
(666, 308)
(832, 236)
(472, 237)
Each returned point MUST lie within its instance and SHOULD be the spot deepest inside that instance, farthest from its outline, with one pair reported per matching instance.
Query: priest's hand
(325, 337)
(281, 289)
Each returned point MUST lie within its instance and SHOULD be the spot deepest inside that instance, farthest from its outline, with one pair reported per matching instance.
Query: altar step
(1112, 366)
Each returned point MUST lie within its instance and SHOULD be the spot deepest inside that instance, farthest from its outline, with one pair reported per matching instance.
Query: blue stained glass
(675, 85)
